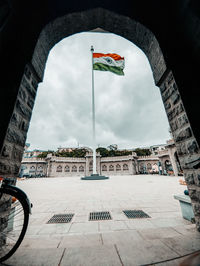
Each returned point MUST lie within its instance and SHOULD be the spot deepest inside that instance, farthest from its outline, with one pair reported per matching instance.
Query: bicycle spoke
(14, 221)
(7, 236)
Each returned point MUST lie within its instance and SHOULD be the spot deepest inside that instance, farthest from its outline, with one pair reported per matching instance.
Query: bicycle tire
(12, 232)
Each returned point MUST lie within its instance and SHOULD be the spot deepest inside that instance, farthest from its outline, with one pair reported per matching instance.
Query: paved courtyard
(164, 238)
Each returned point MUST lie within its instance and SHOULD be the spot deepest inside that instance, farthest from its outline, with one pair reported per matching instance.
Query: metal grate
(135, 214)
(94, 216)
(61, 218)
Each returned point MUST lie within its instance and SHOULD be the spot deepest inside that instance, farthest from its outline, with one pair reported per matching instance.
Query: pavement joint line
(101, 239)
(70, 227)
(178, 232)
(62, 257)
(118, 254)
(169, 246)
(59, 244)
(153, 263)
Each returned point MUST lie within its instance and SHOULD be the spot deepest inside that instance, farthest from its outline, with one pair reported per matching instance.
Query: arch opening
(144, 39)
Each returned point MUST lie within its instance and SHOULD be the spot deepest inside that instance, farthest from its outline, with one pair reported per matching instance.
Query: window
(32, 169)
(149, 166)
(104, 168)
(91, 166)
(118, 167)
(40, 169)
(168, 166)
(154, 167)
(67, 168)
(125, 167)
(111, 168)
(74, 168)
(59, 168)
(81, 168)
(142, 167)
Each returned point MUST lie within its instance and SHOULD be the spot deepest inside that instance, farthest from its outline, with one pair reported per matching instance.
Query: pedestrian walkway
(164, 238)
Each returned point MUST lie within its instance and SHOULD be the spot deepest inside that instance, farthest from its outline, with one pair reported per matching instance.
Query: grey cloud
(129, 110)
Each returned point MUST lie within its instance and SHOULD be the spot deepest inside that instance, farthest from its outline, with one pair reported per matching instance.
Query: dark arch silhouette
(167, 31)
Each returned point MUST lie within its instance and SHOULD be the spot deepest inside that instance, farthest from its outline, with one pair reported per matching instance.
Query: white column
(93, 117)
(173, 161)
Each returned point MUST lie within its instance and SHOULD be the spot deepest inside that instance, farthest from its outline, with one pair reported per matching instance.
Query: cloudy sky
(129, 109)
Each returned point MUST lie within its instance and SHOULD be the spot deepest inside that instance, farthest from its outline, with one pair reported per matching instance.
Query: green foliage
(103, 151)
(142, 152)
(112, 153)
(44, 154)
(78, 153)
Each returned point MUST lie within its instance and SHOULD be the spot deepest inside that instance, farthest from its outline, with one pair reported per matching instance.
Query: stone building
(53, 166)
(33, 166)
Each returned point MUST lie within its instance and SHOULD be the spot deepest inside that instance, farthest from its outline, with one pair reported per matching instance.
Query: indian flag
(108, 62)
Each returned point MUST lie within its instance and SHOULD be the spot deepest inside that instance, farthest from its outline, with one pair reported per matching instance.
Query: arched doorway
(168, 167)
(99, 19)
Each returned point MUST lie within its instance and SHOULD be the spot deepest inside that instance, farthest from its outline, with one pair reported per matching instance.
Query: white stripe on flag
(109, 61)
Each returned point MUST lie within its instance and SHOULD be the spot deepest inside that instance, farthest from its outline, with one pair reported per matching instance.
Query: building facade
(164, 161)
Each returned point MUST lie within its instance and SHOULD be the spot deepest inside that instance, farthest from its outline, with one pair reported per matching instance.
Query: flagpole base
(94, 177)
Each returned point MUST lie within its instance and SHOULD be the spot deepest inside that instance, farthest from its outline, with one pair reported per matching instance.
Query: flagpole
(93, 117)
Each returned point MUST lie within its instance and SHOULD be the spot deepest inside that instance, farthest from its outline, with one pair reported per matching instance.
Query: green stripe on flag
(102, 67)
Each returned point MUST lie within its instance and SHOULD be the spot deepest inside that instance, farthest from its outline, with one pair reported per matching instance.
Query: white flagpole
(93, 117)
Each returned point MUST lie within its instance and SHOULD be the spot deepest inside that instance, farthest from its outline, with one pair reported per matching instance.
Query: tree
(103, 151)
(44, 154)
(113, 152)
(142, 152)
(79, 153)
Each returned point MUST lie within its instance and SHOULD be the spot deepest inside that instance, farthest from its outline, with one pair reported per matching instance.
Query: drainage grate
(61, 218)
(136, 214)
(94, 216)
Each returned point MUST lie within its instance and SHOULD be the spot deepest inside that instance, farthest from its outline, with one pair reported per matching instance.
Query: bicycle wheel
(14, 216)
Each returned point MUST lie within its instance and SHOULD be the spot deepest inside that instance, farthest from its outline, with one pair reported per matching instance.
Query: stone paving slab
(90, 256)
(140, 224)
(88, 227)
(112, 226)
(189, 230)
(158, 233)
(36, 257)
(123, 237)
(182, 244)
(124, 241)
(87, 240)
(41, 242)
(144, 252)
(169, 222)
(54, 229)
(170, 263)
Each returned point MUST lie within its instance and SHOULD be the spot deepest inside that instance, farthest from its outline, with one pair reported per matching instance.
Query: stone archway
(168, 167)
(102, 19)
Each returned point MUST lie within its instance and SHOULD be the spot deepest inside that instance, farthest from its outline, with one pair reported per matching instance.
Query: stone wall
(67, 166)
(144, 163)
(5, 206)
(13, 146)
(119, 165)
(186, 144)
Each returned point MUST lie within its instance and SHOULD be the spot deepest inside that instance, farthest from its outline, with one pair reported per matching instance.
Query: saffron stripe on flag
(114, 56)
